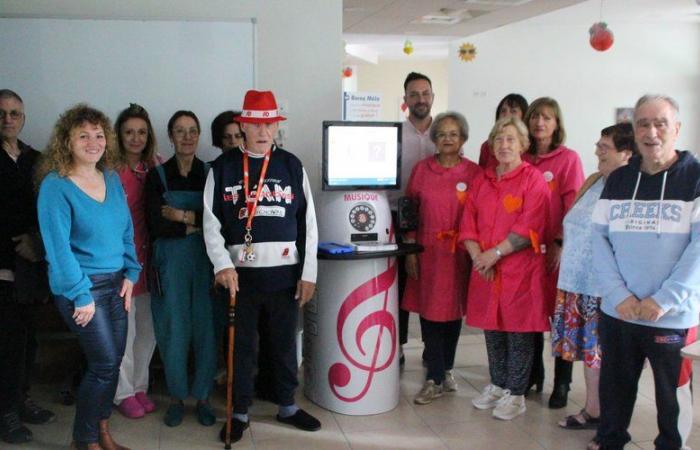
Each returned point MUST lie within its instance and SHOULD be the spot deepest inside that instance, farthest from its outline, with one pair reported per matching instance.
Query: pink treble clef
(339, 373)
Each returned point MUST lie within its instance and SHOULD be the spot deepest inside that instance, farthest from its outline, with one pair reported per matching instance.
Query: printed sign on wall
(362, 106)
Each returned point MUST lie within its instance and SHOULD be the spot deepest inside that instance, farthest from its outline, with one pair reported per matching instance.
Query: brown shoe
(106, 441)
(92, 446)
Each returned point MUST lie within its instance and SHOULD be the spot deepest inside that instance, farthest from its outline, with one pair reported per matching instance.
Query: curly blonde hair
(58, 157)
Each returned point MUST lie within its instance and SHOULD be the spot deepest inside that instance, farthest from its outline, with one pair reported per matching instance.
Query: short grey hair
(520, 128)
(454, 115)
(8, 93)
(659, 97)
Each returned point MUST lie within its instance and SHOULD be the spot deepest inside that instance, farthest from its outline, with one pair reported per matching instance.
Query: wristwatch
(499, 253)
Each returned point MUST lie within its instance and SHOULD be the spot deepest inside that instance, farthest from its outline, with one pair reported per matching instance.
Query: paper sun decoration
(601, 37)
(467, 52)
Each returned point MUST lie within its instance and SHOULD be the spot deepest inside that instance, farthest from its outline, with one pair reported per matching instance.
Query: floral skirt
(575, 328)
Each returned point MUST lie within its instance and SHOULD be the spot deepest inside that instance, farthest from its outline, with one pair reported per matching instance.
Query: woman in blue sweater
(89, 239)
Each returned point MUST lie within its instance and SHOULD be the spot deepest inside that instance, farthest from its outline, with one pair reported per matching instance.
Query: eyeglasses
(452, 135)
(182, 132)
(14, 114)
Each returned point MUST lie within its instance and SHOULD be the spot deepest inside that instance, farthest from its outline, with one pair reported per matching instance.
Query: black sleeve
(158, 226)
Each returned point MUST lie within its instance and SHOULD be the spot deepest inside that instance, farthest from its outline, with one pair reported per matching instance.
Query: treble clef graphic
(339, 373)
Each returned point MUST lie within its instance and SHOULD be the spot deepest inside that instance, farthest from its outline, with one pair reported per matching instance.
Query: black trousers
(625, 346)
(563, 369)
(265, 378)
(282, 311)
(440, 340)
(18, 347)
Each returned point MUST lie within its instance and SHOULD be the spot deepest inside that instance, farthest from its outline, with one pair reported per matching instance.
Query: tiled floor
(449, 422)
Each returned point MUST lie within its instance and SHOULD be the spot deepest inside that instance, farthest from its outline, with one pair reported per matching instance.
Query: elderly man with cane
(261, 236)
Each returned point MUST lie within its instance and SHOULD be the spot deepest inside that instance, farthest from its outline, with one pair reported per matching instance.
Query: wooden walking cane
(229, 366)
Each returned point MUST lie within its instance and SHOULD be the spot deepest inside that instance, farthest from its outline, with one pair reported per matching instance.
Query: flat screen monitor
(361, 155)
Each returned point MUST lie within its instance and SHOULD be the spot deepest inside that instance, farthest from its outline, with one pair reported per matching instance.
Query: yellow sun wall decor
(467, 52)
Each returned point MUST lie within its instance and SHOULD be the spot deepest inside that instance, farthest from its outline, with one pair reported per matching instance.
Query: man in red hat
(261, 236)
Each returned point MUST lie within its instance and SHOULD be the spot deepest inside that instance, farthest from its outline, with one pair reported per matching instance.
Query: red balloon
(347, 72)
(601, 37)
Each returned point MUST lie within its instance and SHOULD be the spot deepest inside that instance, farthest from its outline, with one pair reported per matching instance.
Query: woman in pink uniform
(502, 226)
(137, 150)
(511, 105)
(562, 170)
(436, 285)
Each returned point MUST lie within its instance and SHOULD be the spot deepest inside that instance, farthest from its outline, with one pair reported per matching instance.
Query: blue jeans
(103, 341)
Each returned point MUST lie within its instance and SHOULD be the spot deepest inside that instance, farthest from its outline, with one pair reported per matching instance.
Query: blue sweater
(84, 237)
(646, 240)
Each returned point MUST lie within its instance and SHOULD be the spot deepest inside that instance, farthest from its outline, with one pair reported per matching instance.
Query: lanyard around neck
(253, 205)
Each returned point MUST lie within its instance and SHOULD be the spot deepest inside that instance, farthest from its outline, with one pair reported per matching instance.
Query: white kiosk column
(351, 325)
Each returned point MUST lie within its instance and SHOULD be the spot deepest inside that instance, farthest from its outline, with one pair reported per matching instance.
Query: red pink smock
(517, 203)
(133, 182)
(486, 157)
(439, 293)
(562, 171)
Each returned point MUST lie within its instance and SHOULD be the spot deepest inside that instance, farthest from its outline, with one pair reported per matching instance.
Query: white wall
(54, 66)
(299, 51)
(387, 78)
(550, 56)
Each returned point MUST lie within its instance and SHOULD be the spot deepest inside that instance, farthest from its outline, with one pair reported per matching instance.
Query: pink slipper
(146, 403)
(131, 408)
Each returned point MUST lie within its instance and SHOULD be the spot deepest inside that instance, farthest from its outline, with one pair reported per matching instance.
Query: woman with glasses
(436, 287)
(576, 313)
(183, 311)
(136, 144)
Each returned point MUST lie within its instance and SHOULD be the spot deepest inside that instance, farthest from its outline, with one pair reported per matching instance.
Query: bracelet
(499, 253)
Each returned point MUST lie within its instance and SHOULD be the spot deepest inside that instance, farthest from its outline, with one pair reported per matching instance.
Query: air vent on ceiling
(446, 16)
(497, 2)
(437, 20)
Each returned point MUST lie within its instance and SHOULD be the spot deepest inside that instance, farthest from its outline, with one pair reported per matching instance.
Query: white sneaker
(429, 392)
(488, 398)
(509, 406)
(449, 384)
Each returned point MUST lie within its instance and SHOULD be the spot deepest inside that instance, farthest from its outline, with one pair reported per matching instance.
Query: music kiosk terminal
(350, 326)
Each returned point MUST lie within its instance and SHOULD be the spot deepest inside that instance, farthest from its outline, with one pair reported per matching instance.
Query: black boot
(537, 370)
(562, 379)
(560, 396)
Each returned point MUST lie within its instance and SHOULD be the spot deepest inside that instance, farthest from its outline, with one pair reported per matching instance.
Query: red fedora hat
(259, 107)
